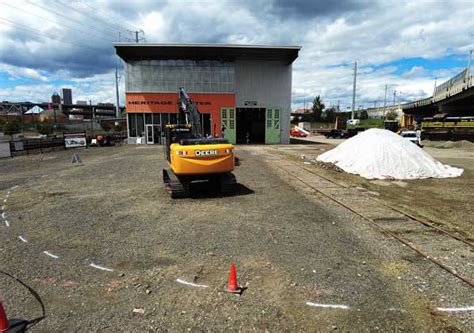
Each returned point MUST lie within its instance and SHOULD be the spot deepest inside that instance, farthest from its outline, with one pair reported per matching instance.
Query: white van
(413, 136)
(353, 122)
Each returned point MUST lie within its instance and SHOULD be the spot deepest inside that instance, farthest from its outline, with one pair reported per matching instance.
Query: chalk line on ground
(22, 239)
(7, 223)
(51, 255)
(191, 284)
(101, 267)
(461, 309)
(331, 306)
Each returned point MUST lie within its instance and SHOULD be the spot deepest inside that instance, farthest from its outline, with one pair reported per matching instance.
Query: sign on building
(74, 140)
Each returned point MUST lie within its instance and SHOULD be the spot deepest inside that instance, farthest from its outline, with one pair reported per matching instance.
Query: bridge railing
(453, 86)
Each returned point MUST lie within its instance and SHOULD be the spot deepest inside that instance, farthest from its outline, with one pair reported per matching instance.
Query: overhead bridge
(455, 96)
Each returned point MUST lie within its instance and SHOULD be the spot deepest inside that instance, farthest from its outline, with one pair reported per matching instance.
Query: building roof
(147, 51)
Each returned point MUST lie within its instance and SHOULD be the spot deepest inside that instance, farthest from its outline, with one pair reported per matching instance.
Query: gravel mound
(381, 154)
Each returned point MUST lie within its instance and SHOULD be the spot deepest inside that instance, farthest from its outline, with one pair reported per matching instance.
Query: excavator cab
(193, 158)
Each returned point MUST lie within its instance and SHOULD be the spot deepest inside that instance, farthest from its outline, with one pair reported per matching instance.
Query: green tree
(44, 128)
(11, 127)
(331, 114)
(317, 109)
(364, 114)
(391, 115)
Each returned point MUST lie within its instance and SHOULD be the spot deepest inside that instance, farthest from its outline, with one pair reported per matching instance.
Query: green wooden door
(228, 122)
(272, 125)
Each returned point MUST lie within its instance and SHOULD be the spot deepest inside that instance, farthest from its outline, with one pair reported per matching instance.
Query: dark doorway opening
(206, 124)
(250, 125)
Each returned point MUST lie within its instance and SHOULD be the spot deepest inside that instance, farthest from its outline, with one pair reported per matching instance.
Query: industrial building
(243, 91)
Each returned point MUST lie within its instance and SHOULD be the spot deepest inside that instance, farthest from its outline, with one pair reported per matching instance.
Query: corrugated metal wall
(269, 84)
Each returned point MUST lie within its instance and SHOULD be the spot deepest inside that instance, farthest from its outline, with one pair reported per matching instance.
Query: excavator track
(174, 186)
(227, 182)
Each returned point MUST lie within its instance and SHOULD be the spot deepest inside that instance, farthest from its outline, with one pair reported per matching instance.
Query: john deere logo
(206, 152)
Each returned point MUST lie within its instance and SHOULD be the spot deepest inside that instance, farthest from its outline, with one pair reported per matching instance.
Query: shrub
(11, 127)
(117, 128)
(44, 128)
(105, 126)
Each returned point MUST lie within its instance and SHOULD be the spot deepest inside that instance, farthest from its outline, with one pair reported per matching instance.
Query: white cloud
(23, 73)
(374, 35)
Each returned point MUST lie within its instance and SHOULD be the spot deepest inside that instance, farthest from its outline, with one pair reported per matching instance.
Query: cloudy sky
(49, 44)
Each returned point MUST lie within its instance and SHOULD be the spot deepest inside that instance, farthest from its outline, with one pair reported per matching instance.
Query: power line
(62, 23)
(66, 17)
(88, 14)
(20, 26)
(97, 10)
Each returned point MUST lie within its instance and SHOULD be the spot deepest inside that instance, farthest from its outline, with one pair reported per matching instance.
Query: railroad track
(450, 252)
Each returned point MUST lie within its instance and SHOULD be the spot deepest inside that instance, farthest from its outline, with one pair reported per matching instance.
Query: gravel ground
(290, 247)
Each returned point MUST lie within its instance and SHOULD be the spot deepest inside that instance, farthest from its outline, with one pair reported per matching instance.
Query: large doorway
(250, 125)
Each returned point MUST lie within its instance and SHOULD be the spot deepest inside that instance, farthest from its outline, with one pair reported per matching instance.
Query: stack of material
(381, 154)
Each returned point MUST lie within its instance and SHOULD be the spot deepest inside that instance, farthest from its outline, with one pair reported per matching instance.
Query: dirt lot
(290, 247)
(447, 202)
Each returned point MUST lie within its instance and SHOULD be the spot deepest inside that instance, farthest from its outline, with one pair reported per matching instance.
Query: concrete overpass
(453, 97)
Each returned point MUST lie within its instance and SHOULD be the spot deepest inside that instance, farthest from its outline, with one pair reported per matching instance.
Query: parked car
(412, 136)
(337, 134)
(298, 134)
(353, 122)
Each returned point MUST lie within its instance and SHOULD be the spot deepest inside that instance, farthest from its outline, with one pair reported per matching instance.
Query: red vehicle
(298, 134)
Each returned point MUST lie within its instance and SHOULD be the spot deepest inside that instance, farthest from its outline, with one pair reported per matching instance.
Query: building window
(167, 75)
(148, 119)
(132, 124)
(140, 125)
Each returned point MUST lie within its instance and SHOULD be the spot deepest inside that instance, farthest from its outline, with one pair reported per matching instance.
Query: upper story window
(167, 75)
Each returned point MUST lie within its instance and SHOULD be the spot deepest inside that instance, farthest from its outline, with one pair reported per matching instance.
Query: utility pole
(354, 91)
(136, 36)
(394, 96)
(117, 108)
(92, 116)
(434, 89)
(385, 101)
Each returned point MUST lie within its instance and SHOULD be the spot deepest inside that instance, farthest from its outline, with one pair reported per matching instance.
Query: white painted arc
(101, 267)
(7, 223)
(191, 284)
(50, 254)
(331, 306)
(461, 309)
(22, 239)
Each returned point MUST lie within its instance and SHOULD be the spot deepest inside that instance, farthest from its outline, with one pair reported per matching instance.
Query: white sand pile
(381, 154)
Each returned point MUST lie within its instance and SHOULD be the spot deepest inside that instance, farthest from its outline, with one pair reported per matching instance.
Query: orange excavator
(193, 158)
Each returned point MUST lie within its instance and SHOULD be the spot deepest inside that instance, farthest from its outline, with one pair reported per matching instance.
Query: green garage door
(272, 125)
(228, 121)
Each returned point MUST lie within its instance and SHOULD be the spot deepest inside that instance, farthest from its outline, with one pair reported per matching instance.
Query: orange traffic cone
(233, 286)
(4, 324)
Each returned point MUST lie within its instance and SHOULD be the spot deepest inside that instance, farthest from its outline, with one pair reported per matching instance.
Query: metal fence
(35, 146)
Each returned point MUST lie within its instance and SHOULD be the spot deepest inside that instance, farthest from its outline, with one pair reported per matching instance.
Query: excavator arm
(189, 114)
